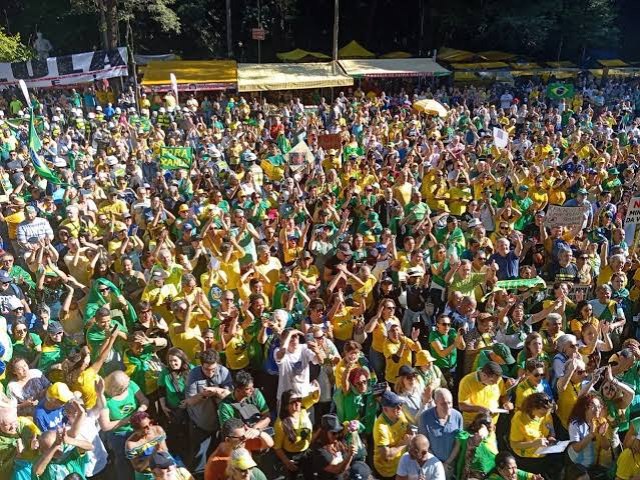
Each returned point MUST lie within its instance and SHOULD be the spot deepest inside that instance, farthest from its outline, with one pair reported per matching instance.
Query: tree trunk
(336, 28)
(229, 32)
(102, 8)
(111, 18)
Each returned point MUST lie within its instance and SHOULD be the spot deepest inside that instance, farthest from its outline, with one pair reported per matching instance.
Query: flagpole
(25, 92)
(174, 86)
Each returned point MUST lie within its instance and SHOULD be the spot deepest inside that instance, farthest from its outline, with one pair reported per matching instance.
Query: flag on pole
(34, 146)
(176, 158)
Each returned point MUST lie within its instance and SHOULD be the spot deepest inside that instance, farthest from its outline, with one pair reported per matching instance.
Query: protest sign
(329, 141)
(298, 156)
(566, 216)
(631, 221)
(175, 158)
(66, 69)
(500, 138)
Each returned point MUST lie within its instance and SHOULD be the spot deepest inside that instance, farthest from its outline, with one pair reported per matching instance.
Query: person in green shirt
(20, 276)
(62, 451)
(245, 403)
(444, 343)
(171, 390)
(55, 348)
(506, 468)
(358, 403)
(99, 332)
(25, 344)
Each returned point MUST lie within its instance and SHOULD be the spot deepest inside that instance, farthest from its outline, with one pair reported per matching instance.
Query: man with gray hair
(441, 424)
(567, 349)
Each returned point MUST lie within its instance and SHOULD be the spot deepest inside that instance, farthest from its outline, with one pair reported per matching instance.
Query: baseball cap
(183, 208)
(474, 222)
(373, 217)
(54, 327)
(330, 423)
(359, 471)
(4, 277)
(415, 272)
(386, 280)
(406, 371)
(390, 399)
(61, 392)
(582, 191)
(161, 460)
(504, 352)
(345, 248)
(242, 459)
(424, 358)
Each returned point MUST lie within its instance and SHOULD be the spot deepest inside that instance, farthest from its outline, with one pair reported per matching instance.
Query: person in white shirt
(505, 100)
(293, 359)
(418, 463)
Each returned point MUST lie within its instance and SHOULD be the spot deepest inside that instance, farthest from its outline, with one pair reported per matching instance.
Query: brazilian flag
(556, 91)
(176, 158)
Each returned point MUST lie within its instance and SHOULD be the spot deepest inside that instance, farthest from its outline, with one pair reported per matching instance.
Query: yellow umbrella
(431, 107)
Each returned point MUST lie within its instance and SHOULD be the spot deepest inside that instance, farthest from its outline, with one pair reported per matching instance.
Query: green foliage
(203, 26)
(12, 49)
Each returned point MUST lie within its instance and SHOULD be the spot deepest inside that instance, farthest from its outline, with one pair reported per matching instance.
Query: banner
(67, 69)
(175, 158)
(631, 221)
(566, 216)
(329, 141)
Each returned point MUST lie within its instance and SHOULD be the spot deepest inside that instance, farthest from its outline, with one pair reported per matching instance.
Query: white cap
(111, 125)
(55, 118)
(60, 162)
(98, 108)
(20, 113)
(162, 110)
(112, 160)
(91, 115)
(118, 110)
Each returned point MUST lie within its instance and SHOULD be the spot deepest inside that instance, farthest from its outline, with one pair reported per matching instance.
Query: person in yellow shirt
(629, 462)
(397, 350)
(114, 206)
(532, 383)
(228, 261)
(483, 391)
(157, 293)
(268, 269)
(459, 196)
(182, 332)
(14, 217)
(532, 428)
(391, 435)
(377, 327)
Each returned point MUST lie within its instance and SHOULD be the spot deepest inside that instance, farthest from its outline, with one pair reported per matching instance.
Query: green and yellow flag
(176, 158)
(34, 146)
(556, 91)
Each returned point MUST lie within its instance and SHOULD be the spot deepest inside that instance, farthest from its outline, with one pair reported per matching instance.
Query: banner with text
(566, 216)
(66, 69)
(631, 221)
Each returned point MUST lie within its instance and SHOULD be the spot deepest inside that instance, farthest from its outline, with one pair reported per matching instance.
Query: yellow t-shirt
(271, 270)
(527, 429)
(566, 400)
(13, 221)
(387, 434)
(236, 351)
(81, 271)
(342, 323)
(391, 349)
(189, 341)
(628, 465)
(379, 335)
(232, 269)
(474, 392)
(523, 390)
(302, 427)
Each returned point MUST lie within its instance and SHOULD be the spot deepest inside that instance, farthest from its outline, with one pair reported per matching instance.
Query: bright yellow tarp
(254, 77)
(299, 55)
(191, 72)
(400, 67)
(453, 55)
(354, 50)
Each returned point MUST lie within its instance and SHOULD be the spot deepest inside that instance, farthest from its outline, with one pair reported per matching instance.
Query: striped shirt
(39, 228)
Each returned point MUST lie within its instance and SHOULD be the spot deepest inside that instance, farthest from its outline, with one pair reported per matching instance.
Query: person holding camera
(246, 403)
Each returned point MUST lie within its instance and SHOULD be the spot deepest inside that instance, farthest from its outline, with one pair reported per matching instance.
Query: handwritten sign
(566, 216)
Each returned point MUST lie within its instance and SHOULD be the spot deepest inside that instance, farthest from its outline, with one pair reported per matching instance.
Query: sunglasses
(581, 371)
(103, 290)
(445, 324)
(21, 331)
(538, 374)
(390, 308)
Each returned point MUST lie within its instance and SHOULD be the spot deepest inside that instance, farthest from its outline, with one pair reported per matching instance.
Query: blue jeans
(378, 363)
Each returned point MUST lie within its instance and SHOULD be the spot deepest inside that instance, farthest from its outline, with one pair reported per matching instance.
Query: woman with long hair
(417, 396)
(293, 432)
(584, 315)
(171, 386)
(25, 343)
(590, 434)
(146, 439)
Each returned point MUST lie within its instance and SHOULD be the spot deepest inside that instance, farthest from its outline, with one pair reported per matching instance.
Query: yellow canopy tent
(397, 54)
(451, 55)
(525, 69)
(562, 64)
(401, 67)
(496, 56)
(613, 63)
(479, 66)
(191, 75)
(253, 77)
(354, 50)
(299, 55)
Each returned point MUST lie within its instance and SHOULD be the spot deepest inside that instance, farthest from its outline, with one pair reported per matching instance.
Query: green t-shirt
(226, 409)
(173, 388)
(448, 362)
(28, 353)
(119, 409)
(72, 461)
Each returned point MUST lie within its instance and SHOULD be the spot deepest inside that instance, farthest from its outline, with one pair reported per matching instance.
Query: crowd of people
(398, 305)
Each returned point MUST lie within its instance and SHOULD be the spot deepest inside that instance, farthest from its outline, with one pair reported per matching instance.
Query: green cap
(503, 352)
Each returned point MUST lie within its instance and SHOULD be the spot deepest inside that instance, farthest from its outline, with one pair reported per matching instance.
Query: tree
(113, 12)
(12, 49)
